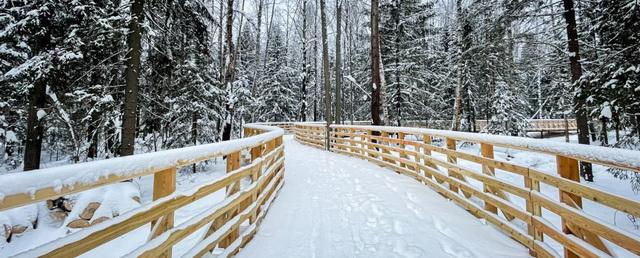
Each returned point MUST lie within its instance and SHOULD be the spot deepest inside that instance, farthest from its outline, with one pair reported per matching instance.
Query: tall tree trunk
(325, 72)
(338, 65)
(220, 46)
(132, 74)
(398, 98)
(576, 72)
(273, 9)
(315, 63)
(457, 105)
(257, 63)
(375, 63)
(229, 73)
(194, 132)
(35, 126)
(350, 44)
(305, 75)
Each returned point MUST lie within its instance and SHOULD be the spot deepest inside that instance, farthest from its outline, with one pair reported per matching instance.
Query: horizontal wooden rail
(535, 125)
(264, 170)
(432, 157)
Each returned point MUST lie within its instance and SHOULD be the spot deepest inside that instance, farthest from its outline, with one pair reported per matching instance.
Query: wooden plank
(451, 145)
(487, 151)
(164, 184)
(581, 222)
(182, 231)
(576, 246)
(233, 163)
(617, 202)
(568, 168)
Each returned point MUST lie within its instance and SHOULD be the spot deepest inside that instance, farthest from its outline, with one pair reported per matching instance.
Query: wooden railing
(263, 168)
(524, 209)
(535, 125)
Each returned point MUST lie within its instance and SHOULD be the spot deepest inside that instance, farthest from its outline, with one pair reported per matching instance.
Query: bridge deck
(338, 206)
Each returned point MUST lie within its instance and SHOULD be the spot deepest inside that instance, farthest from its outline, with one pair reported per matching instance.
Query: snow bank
(91, 172)
(628, 159)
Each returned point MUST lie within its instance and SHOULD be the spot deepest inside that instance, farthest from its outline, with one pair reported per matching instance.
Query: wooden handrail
(265, 171)
(579, 233)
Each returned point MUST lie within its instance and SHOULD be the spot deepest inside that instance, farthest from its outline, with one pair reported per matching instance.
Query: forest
(94, 79)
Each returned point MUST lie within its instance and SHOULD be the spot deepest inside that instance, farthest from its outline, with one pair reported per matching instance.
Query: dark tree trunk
(315, 64)
(338, 65)
(92, 132)
(325, 71)
(194, 133)
(132, 74)
(576, 73)
(305, 76)
(375, 63)
(230, 71)
(398, 32)
(35, 126)
(257, 66)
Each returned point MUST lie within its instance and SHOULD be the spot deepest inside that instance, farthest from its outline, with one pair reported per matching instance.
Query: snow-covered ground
(333, 205)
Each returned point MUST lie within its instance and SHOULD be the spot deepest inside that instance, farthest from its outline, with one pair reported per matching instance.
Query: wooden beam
(487, 151)
(164, 183)
(568, 168)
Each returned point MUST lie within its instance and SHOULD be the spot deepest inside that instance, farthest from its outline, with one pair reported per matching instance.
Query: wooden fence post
(385, 141)
(568, 168)
(164, 183)
(534, 209)
(487, 151)
(426, 139)
(451, 145)
(233, 163)
(402, 146)
(369, 140)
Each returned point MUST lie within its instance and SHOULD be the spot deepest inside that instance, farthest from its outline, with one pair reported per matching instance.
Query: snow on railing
(509, 195)
(264, 170)
(614, 157)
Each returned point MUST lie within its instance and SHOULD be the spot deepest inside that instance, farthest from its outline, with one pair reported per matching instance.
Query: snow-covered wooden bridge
(445, 199)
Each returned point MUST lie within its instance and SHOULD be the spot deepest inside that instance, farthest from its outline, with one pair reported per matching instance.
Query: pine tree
(277, 99)
(404, 29)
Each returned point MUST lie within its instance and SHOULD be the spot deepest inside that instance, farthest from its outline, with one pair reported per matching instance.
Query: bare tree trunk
(398, 97)
(351, 43)
(325, 72)
(194, 132)
(132, 74)
(220, 47)
(305, 75)
(338, 65)
(576, 73)
(457, 105)
(315, 63)
(229, 72)
(257, 66)
(273, 8)
(375, 63)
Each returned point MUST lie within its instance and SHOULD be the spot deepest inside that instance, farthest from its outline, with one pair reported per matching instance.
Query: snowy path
(333, 205)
